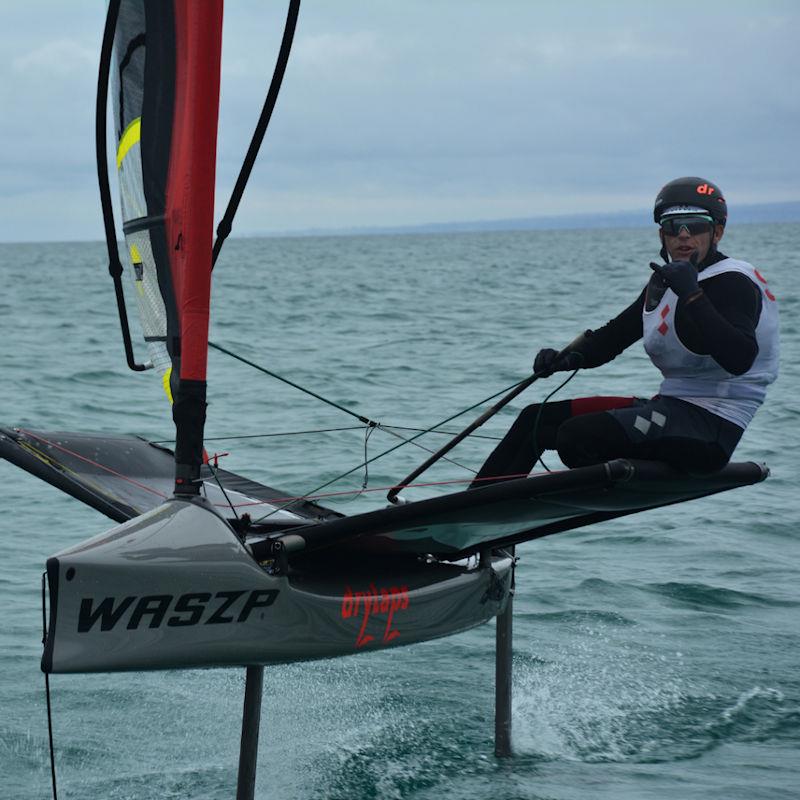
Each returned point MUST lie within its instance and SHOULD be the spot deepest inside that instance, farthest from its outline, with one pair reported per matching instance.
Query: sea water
(655, 656)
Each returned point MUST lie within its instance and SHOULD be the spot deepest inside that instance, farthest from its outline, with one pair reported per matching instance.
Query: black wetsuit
(720, 323)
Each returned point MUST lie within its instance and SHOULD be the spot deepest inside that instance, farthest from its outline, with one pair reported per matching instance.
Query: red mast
(189, 218)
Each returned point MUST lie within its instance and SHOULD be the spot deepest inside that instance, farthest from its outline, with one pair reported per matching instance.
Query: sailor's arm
(720, 320)
(606, 343)
(594, 348)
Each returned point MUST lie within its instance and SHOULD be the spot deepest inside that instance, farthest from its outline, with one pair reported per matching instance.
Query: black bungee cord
(47, 693)
(226, 223)
(114, 262)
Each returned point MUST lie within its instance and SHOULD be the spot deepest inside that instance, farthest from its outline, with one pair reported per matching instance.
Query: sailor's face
(683, 246)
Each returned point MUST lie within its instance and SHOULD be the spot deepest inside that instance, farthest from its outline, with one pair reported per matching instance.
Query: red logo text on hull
(372, 602)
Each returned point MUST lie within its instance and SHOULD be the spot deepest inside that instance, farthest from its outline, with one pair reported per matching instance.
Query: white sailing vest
(698, 379)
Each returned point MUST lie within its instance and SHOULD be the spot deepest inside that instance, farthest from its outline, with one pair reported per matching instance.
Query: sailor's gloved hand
(680, 276)
(547, 362)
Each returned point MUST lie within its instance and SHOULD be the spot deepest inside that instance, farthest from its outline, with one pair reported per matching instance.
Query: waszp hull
(175, 588)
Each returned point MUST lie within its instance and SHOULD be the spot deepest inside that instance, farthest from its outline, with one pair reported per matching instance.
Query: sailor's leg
(683, 435)
(517, 452)
(526, 440)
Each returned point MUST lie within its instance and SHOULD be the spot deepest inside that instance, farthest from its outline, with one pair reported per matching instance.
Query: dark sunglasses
(672, 226)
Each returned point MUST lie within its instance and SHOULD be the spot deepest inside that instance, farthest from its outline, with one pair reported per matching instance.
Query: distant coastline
(742, 215)
(763, 213)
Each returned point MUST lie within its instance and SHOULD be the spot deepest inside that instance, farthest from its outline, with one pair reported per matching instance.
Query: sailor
(709, 323)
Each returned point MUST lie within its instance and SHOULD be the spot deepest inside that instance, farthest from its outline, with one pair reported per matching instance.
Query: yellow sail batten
(167, 388)
(130, 136)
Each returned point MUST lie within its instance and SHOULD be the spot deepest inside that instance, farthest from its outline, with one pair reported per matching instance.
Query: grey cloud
(418, 111)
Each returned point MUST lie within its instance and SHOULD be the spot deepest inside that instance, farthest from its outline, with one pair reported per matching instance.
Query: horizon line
(572, 221)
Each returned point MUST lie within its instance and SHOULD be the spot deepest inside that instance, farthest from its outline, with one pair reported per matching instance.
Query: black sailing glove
(547, 362)
(680, 276)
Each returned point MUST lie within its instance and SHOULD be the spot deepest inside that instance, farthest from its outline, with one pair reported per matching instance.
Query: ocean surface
(655, 656)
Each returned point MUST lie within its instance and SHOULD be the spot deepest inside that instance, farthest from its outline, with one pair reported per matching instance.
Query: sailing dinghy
(181, 583)
(207, 568)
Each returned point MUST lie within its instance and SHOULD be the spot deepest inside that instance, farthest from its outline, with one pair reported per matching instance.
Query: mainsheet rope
(538, 419)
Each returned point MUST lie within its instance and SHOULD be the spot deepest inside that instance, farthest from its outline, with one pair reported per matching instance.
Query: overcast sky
(411, 111)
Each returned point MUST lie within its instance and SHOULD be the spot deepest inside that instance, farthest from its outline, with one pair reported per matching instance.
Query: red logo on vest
(663, 327)
(372, 602)
(763, 280)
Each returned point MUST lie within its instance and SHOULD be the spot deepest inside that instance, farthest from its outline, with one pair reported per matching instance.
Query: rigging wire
(443, 433)
(397, 446)
(368, 433)
(105, 468)
(326, 495)
(520, 387)
(370, 423)
(265, 435)
(384, 426)
(427, 449)
(294, 385)
(213, 468)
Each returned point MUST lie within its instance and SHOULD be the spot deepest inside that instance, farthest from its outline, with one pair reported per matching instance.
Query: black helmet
(689, 195)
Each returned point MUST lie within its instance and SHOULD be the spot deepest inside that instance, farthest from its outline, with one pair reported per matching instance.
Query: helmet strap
(712, 248)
